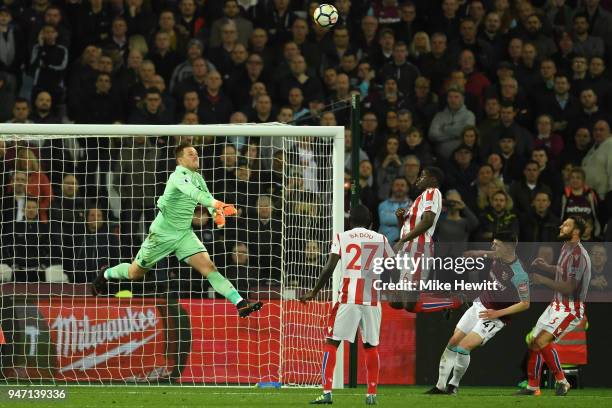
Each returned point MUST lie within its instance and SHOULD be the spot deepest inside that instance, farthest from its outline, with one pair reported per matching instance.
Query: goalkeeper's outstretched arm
(326, 273)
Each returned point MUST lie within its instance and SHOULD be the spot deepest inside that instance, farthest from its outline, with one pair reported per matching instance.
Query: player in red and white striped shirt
(564, 313)
(416, 240)
(358, 304)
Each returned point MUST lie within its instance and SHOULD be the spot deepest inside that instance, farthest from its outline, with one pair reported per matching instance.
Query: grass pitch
(388, 396)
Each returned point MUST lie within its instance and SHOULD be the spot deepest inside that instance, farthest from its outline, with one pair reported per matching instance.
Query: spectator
(546, 139)
(561, 106)
(38, 185)
(7, 95)
(477, 82)
(454, 227)
(14, 199)
(586, 44)
(189, 18)
(498, 216)
(481, 51)
(411, 171)
(446, 126)
(348, 150)
(184, 70)
(151, 110)
(265, 237)
(425, 103)
(93, 22)
(590, 113)
(68, 208)
(215, 106)
(488, 128)
(27, 244)
(220, 55)
(140, 20)
(310, 86)
(163, 57)
(95, 247)
(599, 268)
(597, 163)
(513, 164)
(231, 12)
(102, 105)
(66, 215)
(539, 224)
(575, 152)
(523, 138)
(388, 166)
(48, 64)
(196, 82)
(404, 73)
(264, 111)
(12, 50)
(367, 195)
(549, 173)
(42, 112)
(21, 111)
(485, 184)
(118, 39)
(135, 178)
(579, 200)
(523, 192)
(177, 33)
(462, 170)
(386, 209)
(471, 138)
(239, 270)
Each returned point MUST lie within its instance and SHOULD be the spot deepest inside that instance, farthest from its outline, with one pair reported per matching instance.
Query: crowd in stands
(511, 98)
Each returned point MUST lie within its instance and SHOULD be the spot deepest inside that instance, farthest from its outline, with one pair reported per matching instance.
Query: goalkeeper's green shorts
(160, 243)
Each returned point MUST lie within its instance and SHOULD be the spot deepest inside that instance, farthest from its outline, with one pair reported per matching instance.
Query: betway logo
(75, 335)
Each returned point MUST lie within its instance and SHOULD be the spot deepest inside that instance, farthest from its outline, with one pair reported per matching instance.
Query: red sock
(430, 302)
(329, 364)
(549, 353)
(534, 368)
(372, 364)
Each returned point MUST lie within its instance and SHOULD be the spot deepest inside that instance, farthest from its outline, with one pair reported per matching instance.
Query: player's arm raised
(216, 208)
(326, 273)
(423, 225)
(564, 287)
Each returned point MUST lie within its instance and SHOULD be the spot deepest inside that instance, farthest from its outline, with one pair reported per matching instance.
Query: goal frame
(9, 131)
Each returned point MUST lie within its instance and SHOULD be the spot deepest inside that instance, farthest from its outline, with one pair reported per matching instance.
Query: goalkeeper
(171, 232)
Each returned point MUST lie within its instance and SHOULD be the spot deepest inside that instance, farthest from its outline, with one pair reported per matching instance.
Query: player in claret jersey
(564, 313)
(418, 224)
(489, 312)
(358, 305)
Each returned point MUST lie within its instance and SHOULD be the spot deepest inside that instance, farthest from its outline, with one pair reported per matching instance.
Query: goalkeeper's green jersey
(184, 190)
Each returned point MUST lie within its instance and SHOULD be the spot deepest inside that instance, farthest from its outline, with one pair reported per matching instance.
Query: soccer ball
(325, 15)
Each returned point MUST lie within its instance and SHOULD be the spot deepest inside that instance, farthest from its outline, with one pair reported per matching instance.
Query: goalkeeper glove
(225, 209)
(219, 219)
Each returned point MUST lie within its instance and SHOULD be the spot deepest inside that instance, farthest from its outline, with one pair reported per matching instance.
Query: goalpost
(80, 195)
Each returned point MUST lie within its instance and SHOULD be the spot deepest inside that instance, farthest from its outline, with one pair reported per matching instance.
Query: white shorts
(556, 322)
(344, 319)
(470, 322)
(416, 272)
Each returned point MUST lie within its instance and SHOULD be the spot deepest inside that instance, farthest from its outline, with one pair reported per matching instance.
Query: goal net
(77, 198)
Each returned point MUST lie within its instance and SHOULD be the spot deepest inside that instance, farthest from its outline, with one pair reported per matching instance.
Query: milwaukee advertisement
(101, 340)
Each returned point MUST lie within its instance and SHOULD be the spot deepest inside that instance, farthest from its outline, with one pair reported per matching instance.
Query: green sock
(117, 272)
(224, 287)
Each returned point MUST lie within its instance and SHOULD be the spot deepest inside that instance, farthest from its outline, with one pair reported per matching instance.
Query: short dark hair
(360, 216)
(506, 236)
(579, 223)
(178, 152)
(436, 173)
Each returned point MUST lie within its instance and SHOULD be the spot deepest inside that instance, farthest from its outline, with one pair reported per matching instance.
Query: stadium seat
(55, 274)
(6, 273)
